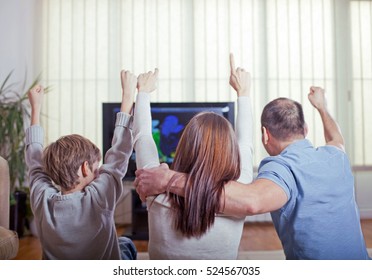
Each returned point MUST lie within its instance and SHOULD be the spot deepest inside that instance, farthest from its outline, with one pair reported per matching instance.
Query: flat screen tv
(168, 122)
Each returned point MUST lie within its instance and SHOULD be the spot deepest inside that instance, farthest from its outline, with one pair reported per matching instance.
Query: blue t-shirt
(320, 219)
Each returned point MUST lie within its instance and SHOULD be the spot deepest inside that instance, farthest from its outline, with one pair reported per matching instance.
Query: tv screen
(168, 122)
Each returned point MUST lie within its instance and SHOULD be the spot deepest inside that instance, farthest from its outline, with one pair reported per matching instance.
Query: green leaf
(13, 112)
(5, 81)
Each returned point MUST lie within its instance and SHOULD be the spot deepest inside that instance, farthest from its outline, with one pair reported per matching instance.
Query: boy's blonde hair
(63, 158)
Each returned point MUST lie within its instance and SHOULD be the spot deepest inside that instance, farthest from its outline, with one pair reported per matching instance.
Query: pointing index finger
(232, 63)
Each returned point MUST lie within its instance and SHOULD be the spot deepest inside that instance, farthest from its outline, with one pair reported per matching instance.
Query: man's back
(321, 219)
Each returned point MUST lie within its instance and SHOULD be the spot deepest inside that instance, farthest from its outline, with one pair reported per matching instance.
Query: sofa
(9, 241)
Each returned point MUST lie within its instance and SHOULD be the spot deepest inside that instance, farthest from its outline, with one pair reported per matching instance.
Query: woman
(208, 151)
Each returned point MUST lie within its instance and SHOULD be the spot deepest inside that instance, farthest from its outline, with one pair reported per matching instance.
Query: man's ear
(265, 135)
(85, 168)
(306, 129)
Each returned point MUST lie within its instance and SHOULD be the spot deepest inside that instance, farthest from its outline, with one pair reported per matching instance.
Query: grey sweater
(79, 225)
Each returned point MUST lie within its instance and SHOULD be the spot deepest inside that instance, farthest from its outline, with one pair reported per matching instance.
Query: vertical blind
(361, 23)
(287, 45)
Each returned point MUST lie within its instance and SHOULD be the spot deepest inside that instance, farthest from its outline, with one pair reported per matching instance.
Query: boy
(77, 221)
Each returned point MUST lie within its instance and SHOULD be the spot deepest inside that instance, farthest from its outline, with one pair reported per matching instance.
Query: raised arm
(109, 183)
(332, 132)
(35, 96)
(144, 145)
(37, 178)
(128, 86)
(240, 80)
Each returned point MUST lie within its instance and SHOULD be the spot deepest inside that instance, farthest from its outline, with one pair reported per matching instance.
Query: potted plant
(14, 112)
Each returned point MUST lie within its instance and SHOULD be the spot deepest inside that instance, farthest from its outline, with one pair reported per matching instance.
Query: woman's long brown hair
(208, 152)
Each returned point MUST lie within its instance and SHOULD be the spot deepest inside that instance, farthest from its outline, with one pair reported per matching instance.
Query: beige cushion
(8, 239)
(4, 193)
(9, 244)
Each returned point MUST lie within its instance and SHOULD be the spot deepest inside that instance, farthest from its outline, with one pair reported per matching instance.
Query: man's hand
(317, 98)
(147, 81)
(152, 181)
(128, 85)
(35, 96)
(240, 80)
(332, 132)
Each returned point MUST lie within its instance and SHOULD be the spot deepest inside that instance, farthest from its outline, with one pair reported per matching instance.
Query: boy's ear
(85, 168)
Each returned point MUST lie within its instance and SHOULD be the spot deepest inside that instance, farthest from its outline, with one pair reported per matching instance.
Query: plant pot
(18, 212)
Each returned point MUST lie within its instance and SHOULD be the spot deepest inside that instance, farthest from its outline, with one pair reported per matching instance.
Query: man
(309, 191)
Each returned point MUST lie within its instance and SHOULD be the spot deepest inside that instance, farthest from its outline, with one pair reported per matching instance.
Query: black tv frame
(109, 110)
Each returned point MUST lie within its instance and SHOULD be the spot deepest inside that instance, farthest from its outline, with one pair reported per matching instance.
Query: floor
(259, 236)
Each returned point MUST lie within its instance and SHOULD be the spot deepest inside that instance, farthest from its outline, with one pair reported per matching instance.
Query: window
(361, 31)
(287, 45)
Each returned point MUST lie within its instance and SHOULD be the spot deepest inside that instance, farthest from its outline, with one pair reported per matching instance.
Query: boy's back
(77, 221)
(79, 225)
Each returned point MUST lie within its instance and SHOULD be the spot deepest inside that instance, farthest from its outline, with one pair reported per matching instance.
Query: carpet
(249, 255)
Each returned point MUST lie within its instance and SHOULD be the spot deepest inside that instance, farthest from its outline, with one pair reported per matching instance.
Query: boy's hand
(147, 81)
(317, 98)
(35, 96)
(128, 84)
(240, 80)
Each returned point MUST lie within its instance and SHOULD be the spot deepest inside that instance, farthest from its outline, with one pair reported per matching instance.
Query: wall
(19, 40)
(363, 192)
